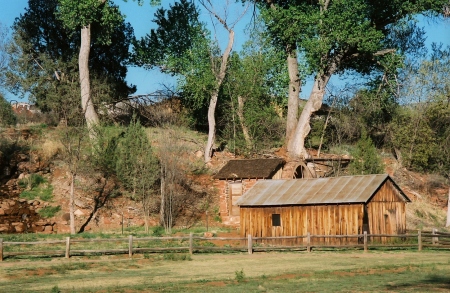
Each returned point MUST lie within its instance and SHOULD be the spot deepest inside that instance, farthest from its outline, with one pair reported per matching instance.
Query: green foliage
(239, 276)
(365, 158)
(7, 116)
(55, 289)
(177, 256)
(49, 211)
(35, 187)
(158, 231)
(52, 79)
(136, 165)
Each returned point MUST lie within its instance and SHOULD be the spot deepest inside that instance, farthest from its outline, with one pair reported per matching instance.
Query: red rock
(19, 228)
(48, 229)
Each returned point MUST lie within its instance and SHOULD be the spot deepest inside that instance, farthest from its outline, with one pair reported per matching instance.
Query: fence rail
(191, 244)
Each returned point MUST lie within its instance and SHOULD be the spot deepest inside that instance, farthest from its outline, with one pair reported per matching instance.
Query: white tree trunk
(296, 146)
(71, 205)
(214, 96)
(244, 128)
(211, 127)
(294, 92)
(83, 64)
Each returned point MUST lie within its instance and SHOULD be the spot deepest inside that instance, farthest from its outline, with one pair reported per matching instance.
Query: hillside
(102, 204)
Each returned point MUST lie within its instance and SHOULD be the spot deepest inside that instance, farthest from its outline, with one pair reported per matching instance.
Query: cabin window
(276, 220)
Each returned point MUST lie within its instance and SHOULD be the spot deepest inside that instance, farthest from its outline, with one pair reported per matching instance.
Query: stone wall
(20, 216)
(222, 187)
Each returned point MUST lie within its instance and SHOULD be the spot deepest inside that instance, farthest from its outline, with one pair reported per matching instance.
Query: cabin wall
(299, 220)
(386, 212)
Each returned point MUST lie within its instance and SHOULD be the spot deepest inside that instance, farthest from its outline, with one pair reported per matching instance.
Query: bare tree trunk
(448, 209)
(71, 204)
(211, 127)
(83, 64)
(294, 92)
(296, 147)
(240, 114)
(162, 214)
(214, 97)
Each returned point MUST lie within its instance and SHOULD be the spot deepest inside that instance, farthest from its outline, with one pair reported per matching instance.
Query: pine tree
(365, 158)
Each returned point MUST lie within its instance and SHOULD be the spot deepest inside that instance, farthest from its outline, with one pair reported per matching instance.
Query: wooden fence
(190, 244)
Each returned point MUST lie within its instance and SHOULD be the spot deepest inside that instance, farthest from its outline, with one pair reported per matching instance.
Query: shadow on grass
(432, 281)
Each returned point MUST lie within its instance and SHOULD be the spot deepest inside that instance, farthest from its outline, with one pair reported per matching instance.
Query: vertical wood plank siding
(299, 220)
(386, 214)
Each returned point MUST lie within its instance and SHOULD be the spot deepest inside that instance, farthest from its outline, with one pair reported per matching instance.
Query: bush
(365, 158)
(7, 116)
(49, 212)
(158, 231)
(239, 275)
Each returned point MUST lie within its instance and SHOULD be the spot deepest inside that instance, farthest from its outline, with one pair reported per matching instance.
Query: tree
(72, 139)
(420, 133)
(81, 15)
(179, 43)
(338, 36)
(365, 158)
(255, 87)
(45, 56)
(137, 166)
(5, 41)
(7, 116)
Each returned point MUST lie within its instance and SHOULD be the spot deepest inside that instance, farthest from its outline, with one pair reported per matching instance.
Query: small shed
(324, 206)
(236, 177)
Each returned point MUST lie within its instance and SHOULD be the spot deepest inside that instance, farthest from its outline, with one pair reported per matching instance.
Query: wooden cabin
(324, 206)
(238, 176)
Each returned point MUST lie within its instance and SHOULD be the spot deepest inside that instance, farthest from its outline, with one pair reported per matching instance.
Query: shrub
(158, 231)
(49, 212)
(177, 256)
(239, 275)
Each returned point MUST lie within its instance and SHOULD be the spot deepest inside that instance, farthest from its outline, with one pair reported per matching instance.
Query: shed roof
(331, 190)
(250, 168)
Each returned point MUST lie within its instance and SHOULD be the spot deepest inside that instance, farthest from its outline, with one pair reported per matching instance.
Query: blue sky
(140, 18)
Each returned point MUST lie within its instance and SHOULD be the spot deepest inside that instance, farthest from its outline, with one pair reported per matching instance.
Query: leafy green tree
(255, 86)
(5, 41)
(180, 45)
(420, 133)
(137, 166)
(81, 16)
(338, 36)
(365, 158)
(7, 116)
(46, 55)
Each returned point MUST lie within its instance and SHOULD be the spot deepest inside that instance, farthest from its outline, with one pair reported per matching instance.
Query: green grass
(49, 212)
(267, 272)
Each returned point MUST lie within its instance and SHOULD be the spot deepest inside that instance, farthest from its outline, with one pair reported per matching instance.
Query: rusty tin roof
(331, 190)
(250, 168)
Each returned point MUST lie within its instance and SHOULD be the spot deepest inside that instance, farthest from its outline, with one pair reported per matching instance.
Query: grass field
(426, 271)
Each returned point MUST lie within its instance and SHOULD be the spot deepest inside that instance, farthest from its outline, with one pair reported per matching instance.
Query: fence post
(250, 244)
(130, 246)
(435, 240)
(191, 243)
(1, 249)
(308, 242)
(365, 241)
(67, 247)
(419, 239)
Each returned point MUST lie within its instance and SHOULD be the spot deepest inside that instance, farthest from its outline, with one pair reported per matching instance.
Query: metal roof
(331, 190)
(250, 168)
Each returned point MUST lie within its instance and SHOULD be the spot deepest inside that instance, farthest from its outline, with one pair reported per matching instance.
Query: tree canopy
(45, 60)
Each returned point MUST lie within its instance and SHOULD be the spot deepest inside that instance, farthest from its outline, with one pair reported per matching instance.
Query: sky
(140, 17)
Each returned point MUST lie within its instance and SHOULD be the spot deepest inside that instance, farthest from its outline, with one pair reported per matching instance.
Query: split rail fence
(190, 244)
